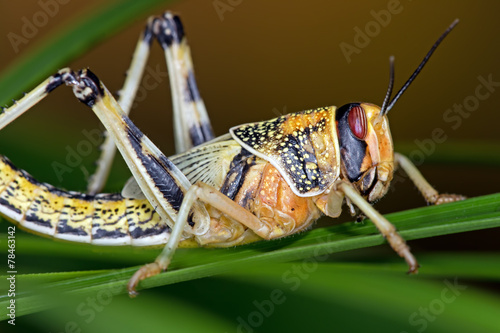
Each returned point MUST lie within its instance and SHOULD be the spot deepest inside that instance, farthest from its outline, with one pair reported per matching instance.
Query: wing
(131, 190)
(208, 163)
(302, 146)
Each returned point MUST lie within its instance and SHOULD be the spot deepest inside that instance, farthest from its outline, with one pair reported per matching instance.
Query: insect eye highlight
(357, 122)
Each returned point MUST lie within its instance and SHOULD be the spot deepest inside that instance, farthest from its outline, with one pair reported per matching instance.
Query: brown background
(285, 56)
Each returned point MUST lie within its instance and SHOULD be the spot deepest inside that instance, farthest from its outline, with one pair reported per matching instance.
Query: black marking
(69, 194)
(170, 189)
(179, 27)
(352, 149)
(35, 208)
(236, 174)
(143, 233)
(156, 167)
(302, 175)
(192, 93)
(6, 160)
(64, 228)
(28, 177)
(119, 219)
(208, 132)
(369, 180)
(247, 199)
(87, 79)
(92, 81)
(190, 219)
(109, 197)
(7, 204)
(200, 133)
(55, 82)
(57, 191)
(73, 216)
(37, 220)
(196, 136)
(140, 222)
(169, 31)
(88, 100)
(101, 233)
(148, 33)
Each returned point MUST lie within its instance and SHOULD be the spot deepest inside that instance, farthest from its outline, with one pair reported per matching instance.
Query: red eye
(357, 122)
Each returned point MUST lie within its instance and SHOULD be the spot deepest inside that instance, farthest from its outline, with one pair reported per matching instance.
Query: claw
(143, 273)
(413, 269)
(445, 198)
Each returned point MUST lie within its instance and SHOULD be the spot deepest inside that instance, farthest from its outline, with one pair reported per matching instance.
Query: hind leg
(191, 122)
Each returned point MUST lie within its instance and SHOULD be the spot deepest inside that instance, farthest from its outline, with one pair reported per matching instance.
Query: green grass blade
(69, 43)
(473, 214)
(344, 291)
(357, 297)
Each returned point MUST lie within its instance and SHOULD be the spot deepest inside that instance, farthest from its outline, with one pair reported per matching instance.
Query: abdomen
(104, 219)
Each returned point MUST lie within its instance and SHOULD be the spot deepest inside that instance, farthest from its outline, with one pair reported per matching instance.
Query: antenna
(385, 109)
(391, 85)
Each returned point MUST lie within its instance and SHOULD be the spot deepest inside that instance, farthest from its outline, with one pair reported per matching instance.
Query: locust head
(366, 148)
(365, 142)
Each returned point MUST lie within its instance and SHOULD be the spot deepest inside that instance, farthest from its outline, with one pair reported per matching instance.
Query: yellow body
(106, 219)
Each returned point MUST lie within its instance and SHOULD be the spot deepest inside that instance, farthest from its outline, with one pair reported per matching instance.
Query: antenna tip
(454, 23)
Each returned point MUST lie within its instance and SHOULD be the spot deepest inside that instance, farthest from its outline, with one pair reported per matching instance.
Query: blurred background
(255, 60)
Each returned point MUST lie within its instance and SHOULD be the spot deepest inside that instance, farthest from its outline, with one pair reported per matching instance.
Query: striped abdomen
(103, 219)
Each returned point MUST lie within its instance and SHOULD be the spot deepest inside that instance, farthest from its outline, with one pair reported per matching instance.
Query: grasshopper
(262, 180)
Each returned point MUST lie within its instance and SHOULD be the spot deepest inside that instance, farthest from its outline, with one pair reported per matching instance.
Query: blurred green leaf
(301, 296)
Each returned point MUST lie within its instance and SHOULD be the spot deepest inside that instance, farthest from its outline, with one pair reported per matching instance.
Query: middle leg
(203, 193)
(430, 194)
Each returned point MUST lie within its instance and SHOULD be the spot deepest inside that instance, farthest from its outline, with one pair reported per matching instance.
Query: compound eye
(357, 122)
